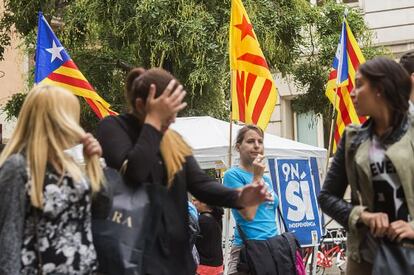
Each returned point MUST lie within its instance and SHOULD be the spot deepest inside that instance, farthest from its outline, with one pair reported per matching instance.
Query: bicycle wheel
(320, 270)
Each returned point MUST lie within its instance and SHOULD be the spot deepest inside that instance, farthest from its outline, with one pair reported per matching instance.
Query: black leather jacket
(331, 196)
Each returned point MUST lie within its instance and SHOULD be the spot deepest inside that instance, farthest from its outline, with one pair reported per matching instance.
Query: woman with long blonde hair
(154, 154)
(45, 195)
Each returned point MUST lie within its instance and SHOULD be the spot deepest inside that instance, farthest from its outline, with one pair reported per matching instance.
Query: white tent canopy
(209, 138)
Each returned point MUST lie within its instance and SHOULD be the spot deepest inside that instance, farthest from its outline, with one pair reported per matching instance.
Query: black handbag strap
(242, 234)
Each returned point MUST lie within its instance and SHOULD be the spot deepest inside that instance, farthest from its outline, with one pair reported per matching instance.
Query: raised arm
(207, 189)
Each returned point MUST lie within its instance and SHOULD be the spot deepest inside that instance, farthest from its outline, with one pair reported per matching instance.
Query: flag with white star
(55, 67)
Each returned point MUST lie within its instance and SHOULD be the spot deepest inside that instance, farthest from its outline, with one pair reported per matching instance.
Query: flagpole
(332, 129)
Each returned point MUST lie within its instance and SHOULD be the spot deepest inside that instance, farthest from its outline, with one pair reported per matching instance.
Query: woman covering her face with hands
(257, 222)
(377, 160)
(141, 140)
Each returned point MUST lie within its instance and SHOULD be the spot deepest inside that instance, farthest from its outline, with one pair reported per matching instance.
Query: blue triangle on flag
(50, 54)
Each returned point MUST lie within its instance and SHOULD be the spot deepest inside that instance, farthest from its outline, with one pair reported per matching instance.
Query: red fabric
(209, 270)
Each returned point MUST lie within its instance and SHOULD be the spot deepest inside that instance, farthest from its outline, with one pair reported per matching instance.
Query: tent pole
(227, 211)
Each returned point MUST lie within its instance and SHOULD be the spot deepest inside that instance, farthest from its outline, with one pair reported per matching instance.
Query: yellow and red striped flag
(253, 91)
(55, 67)
(341, 81)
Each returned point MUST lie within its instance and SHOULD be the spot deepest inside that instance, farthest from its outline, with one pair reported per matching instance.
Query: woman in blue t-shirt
(257, 223)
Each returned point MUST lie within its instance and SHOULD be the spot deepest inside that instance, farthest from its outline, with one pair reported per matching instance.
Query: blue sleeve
(232, 179)
(192, 210)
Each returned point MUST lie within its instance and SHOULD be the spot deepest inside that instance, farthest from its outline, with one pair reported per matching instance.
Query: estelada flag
(253, 91)
(55, 67)
(341, 81)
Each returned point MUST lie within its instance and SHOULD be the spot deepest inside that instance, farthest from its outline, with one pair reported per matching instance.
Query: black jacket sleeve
(118, 146)
(208, 190)
(331, 196)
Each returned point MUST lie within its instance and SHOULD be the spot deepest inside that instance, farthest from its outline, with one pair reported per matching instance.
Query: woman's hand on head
(91, 145)
(160, 110)
(377, 222)
(400, 230)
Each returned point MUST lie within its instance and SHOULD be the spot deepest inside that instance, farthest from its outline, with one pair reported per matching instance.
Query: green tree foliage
(188, 38)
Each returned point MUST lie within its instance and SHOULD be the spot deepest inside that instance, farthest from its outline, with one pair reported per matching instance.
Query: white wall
(392, 22)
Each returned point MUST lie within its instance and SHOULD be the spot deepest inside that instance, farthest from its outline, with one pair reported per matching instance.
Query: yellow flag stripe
(77, 91)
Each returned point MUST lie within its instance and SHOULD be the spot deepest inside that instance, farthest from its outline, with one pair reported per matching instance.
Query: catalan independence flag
(253, 91)
(341, 81)
(55, 67)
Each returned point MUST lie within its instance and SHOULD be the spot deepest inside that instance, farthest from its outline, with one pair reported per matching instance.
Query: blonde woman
(160, 157)
(45, 197)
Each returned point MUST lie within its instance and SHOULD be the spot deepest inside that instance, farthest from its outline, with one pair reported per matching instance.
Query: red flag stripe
(261, 100)
(343, 109)
(254, 59)
(240, 95)
(70, 64)
(71, 81)
(333, 74)
(337, 136)
(95, 109)
(251, 78)
(352, 55)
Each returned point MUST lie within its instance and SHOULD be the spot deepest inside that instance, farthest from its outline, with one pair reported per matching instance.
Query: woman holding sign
(258, 222)
(377, 160)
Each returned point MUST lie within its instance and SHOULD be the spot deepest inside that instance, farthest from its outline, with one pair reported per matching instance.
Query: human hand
(91, 146)
(258, 168)
(254, 194)
(400, 230)
(377, 222)
(161, 110)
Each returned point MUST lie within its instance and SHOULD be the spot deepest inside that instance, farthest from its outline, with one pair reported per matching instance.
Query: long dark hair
(392, 82)
(217, 212)
(407, 61)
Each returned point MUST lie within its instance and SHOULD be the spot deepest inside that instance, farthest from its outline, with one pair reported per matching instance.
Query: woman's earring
(378, 94)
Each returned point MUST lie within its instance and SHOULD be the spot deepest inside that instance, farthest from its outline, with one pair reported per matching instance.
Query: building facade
(392, 23)
(14, 70)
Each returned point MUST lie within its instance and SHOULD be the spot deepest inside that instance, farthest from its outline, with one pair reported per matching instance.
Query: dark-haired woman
(140, 139)
(209, 243)
(377, 160)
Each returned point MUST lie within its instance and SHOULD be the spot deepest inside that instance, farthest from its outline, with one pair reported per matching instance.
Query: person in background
(377, 160)
(194, 229)
(154, 154)
(257, 222)
(45, 196)
(209, 243)
(407, 61)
